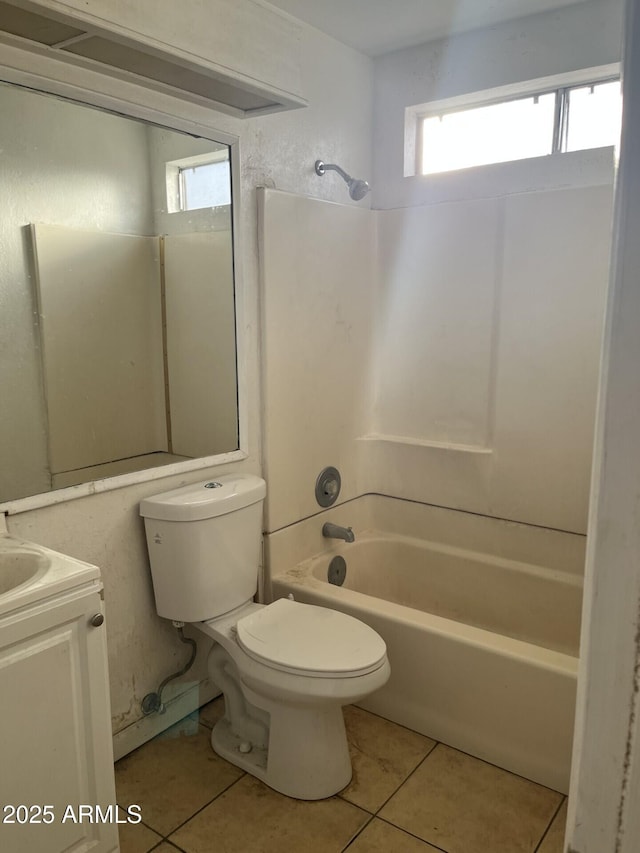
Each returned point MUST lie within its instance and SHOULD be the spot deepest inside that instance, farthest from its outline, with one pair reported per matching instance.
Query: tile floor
(408, 794)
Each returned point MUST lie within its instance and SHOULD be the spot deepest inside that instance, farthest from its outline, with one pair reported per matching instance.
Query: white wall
(275, 150)
(583, 35)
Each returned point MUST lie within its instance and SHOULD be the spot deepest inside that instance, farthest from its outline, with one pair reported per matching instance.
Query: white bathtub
(483, 648)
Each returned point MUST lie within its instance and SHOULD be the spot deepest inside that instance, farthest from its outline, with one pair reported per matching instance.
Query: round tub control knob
(97, 620)
(328, 486)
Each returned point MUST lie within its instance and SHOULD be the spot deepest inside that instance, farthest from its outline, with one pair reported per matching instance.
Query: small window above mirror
(200, 182)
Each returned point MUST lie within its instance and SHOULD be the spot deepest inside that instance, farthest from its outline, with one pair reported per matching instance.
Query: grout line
(201, 722)
(411, 772)
(148, 826)
(503, 769)
(202, 808)
(409, 775)
(546, 832)
(166, 841)
(393, 722)
(412, 834)
(359, 832)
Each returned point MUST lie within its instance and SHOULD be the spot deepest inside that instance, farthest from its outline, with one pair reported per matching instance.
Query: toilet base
(307, 757)
(228, 745)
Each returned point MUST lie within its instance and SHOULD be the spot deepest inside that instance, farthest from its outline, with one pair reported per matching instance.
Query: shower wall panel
(489, 330)
(318, 271)
(101, 337)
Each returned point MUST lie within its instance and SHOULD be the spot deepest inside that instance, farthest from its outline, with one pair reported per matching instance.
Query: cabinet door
(55, 732)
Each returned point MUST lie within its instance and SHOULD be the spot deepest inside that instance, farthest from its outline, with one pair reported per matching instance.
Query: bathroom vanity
(55, 732)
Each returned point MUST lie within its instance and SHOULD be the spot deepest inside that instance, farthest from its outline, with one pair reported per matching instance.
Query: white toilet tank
(204, 544)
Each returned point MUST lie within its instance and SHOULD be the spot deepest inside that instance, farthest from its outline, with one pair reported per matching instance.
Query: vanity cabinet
(55, 731)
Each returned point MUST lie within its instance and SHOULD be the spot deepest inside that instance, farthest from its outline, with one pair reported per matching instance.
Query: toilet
(286, 668)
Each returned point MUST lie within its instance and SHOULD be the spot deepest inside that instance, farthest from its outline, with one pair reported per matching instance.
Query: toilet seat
(304, 639)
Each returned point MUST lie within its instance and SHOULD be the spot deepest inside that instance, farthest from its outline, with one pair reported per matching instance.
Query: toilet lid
(310, 640)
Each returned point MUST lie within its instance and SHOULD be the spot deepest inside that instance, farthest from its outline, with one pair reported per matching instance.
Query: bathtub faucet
(334, 531)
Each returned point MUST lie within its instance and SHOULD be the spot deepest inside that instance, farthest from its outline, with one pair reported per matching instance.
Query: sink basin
(31, 573)
(19, 567)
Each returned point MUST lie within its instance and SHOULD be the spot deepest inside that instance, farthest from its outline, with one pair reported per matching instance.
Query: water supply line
(152, 702)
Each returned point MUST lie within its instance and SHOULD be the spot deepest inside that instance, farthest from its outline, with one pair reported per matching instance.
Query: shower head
(357, 188)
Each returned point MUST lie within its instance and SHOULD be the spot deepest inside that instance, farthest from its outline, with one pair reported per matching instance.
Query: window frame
(561, 85)
(175, 188)
(182, 187)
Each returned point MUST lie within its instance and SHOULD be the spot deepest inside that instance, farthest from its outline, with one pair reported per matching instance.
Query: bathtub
(483, 648)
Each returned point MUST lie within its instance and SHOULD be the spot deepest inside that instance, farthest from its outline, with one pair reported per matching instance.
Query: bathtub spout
(334, 531)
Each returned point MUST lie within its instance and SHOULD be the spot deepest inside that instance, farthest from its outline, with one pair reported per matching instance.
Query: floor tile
(166, 847)
(173, 776)
(251, 818)
(210, 713)
(554, 839)
(383, 754)
(465, 805)
(381, 837)
(137, 838)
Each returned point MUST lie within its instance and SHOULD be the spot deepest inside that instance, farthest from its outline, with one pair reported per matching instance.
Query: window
(208, 185)
(594, 115)
(199, 182)
(563, 119)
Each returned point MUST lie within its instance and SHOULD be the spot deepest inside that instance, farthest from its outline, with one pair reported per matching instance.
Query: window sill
(592, 167)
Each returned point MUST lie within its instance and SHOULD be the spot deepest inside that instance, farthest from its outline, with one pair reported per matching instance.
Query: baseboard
(176, 708)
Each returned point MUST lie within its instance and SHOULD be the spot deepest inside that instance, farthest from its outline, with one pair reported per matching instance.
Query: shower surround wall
(318, 278)
(475, 385)
(492, 309)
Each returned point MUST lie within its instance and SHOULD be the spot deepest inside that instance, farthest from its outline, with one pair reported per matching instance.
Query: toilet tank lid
(207, 499)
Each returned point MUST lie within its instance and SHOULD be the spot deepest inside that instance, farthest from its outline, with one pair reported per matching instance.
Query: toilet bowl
(285, 668)
(284, 721)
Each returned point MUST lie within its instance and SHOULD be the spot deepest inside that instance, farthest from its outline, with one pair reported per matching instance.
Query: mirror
(117, 349)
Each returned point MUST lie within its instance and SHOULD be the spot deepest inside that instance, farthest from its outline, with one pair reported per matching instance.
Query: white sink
(19, 566)
(29, 573)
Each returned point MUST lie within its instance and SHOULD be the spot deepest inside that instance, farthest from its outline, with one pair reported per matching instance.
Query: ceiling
(379, 26)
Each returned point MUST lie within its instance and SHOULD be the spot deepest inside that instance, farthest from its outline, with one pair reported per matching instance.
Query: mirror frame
(53, 76)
